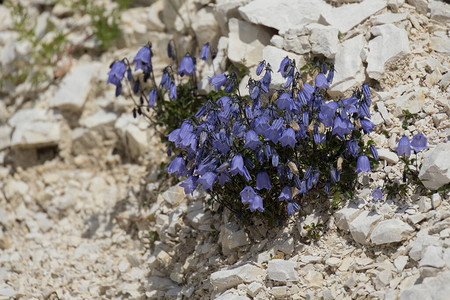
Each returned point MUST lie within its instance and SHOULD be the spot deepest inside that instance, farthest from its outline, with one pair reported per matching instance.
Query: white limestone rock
(75, 87)
(348, 16)
(345, 216)
(225, 10)
(205, 26)
(174, 195)
(361, 227)
(384, 113)
(420, 5)
(390, 43)
(34, 128)
(297, 44)
(432, 257)
(413, 102)
(388, 18)
(284, 14)
(388, 156)
(231, 239)
(394, 5)
(99, 119)
(225, 279)
(246, 42)
(435, 171)
(274, 56)
(324, 40)
(440, 43)
(400, 262)
(348, 66)
(390, 231)
(282, 270)
(420, 244)
(5, 137)
(431, 288)
(440, 11)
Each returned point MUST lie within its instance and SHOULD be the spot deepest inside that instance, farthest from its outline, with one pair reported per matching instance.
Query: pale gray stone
(205, 26)
(174, 195)
(400, 262)
(160, 283)
(254, 288)
(100, 119)
(246, 42)
(388, 156)
(38, 133)
(440, 43)
(390, 43)
(136, 140)
(390, 231)
(384, 113)
(361, 227)
(348, 16)
(424, 204)
(435, 171)
(231, 296)
(388, 18)
(75, 87)
(382, 279)
(420, 244)
(296, 44)
(440, 11)
(232, 239)
(324, 40)
(345, 216)
(140, 20)
(5, 136)
(413, 102)
(420, 5)
(394, 5)
(333, 262)
(225, 10)
(282, 270)
(348, 66)
(432, 257)
(225, 279)
(283, 14)
(445, 81)
(431, 288)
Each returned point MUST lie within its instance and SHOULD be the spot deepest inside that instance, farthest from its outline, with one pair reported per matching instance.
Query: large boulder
(435, 171)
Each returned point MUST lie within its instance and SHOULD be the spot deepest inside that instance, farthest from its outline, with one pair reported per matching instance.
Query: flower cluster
(270, 151)
(175, 97)
(418, 143)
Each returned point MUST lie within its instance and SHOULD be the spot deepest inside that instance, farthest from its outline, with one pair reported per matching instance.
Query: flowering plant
(174, 99)
(272, 152)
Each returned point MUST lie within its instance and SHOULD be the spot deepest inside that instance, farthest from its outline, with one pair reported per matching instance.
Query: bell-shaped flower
(187, 66)
(265, 81)
(327, 113)
(256, 204)
(190, 184)
(419, 142)
(260, 67)
(205, 52)
(143, 59)
(286, 194)
(273, 133)
(152, 97)
(251, 140)
(367, 125)
(353, 147)
(218, 80)
(363, 164)
(238, 167)
(374, 152)
(321, 82)
(285, 102)
(292, 207)
(288, 138)
(377, 194)
(224, 177)
(263, 181)
(248, 195)
(116, 73)
(284, 66)
(173, 91)
(207, 180)
(404, 147)
(341, 127)
(261, 125)
(177, 166)
(330, 75)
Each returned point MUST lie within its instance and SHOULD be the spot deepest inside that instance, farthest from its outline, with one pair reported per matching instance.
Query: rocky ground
(85, 211)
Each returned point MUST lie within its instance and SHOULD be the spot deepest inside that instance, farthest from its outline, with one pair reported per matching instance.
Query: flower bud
(294, 125)
(339, 163)
(293, 167)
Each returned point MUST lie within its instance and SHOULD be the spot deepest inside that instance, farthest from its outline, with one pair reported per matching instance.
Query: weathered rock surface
(431, 288)
(390, 43)
(282, 270)
(246, 42)
(361, 227)
(324, 40)
(435, 171)
(348, 66)
(225, 279)
(390, 231)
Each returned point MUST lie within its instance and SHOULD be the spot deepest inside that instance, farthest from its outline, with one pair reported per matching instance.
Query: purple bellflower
(419, 142)
(177, 166)
(260, 67)
(218, 80)
(288, 138)
(251, 140)
(173, 91)
(377, 194)
(237, 166)
(143, 59)
(115, 75)
(187, 66)
(249, 196)
(363, 164)
(321, 81)
(285, 102)
(263, 181)
(207, 180)
(404, 147)
(286, 194)
(152, 98)
(189, 184)
(367, 125)
(205, 52)
(374, 152)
